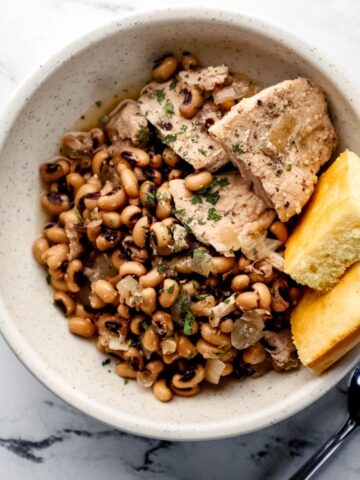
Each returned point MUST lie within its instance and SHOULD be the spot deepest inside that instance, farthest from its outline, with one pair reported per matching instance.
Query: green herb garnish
(169, 138)
(160, 268)
(196, 199)
(98, 103)
(171, 289)
(202, 296)
(160, 95)
(180, 212)
(104, 119)
(78, 214)
(288, 167)
(227, 301)
(237, 148)
(145, 325)
(169, 109)
(213, 215)
(188, 323)
(173, 83)
(150, 199)
(202, 151)
(126, 381)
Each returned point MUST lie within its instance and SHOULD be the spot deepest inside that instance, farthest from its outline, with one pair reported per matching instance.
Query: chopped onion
(213, 370)
(201, 262)
(224, 94)
(119, 343)
(145, 379)
(259, 247)
(179, 235)
(130, 291)
(168, 346)
(248, 329)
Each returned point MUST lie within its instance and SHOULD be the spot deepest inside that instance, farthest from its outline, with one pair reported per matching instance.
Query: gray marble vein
(43, 438)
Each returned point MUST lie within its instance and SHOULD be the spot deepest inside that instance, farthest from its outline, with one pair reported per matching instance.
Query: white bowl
(119, 55)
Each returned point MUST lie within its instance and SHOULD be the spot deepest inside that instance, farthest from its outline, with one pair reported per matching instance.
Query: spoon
(309, 469)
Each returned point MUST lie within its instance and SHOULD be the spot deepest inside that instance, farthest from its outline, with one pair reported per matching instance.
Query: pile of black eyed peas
(109, 250)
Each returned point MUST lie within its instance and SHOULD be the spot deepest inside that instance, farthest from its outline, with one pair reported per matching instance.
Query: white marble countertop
(40, 436)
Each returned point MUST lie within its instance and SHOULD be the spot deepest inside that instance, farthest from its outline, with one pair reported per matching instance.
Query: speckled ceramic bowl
(119, 55)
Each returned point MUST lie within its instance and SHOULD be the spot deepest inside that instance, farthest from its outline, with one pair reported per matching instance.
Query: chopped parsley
(238, 148)
(201, 222)
(78, 214)
(180, 212)
(202, 151)
(173, 83)
(104, 119)
(227, 301)
(188, 323)
(213, 215)
(169, 138)
(105, 362)
(160, 268)
(288, 167)
(126, 381)
(143, 135)
(171, 289)
(160, 95)
(150, 199)
(145, 325)
(98, 103)
(202, 296)
(198, 253)
(196, 199)
(169, 109)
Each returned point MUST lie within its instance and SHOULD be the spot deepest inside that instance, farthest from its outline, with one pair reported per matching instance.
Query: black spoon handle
(319, 458)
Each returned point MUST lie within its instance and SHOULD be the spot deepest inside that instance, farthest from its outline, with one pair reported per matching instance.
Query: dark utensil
(309, 469)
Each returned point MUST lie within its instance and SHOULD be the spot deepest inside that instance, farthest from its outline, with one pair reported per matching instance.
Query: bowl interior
(115, 58)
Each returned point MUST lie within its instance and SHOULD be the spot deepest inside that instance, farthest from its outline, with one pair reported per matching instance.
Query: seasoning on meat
(187, 137)
(279, 139)
(224, 214)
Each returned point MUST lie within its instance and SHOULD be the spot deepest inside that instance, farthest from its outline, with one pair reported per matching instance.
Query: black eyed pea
(164, 201)
(56, 255)
(135, 201)
(136, 156)
(164, 68)
(107, 188)
(186, 392)
(81, 326)
(54, 171)
(135, 358)
(161, 235)
(193, 101)
(247, 300)
(54, 233)
(148, 304)
(197, 181)
(130, 215)
(65, 302)
(83, 191)
(58, 274)
(81, 312)
(141, 231)
(139, 174)
(155, 160)
(191, 288)
(74, 181)
(229, 368)
(169, 221)
(280, 231)
(39, 247)
(226, 326)
(212, 336)
(254, 354)
(170, 157)
(59, 284)
(162, 323)
(155, 367)
(107, 239)
(69, 216)
(189, 61)
(153, 175)
(240, 282)
(55, 203)
(121, 164)
(185, 348)
(113, 200)
(111, 219)
(202, 308)
(73, 275)
(95, 182)
(93, 230)
(161, 391)
(264, 295)
(123, 311)
(147, 194)
(125, 370)
(99, 159)
(129, 182)
(152, 279)
(105, 291)
(98, 136)
(95, 302)
(150, 340)
(175, 174)
(207, 350)
(169, 293)
(244, 263)
(132, 268)
(190, 378)
(184, 265)
(136, 324)
(222, 265)
(170, 358)
(118, 258)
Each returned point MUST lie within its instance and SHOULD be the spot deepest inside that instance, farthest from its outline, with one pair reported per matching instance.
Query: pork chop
(279, 139)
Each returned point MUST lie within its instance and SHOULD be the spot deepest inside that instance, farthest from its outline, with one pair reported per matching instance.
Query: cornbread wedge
(327, 239)
(326, 327)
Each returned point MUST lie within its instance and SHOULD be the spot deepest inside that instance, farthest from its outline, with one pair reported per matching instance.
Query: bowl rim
(129, 423)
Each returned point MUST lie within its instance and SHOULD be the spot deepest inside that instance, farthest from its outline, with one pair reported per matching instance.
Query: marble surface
(42, 437)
